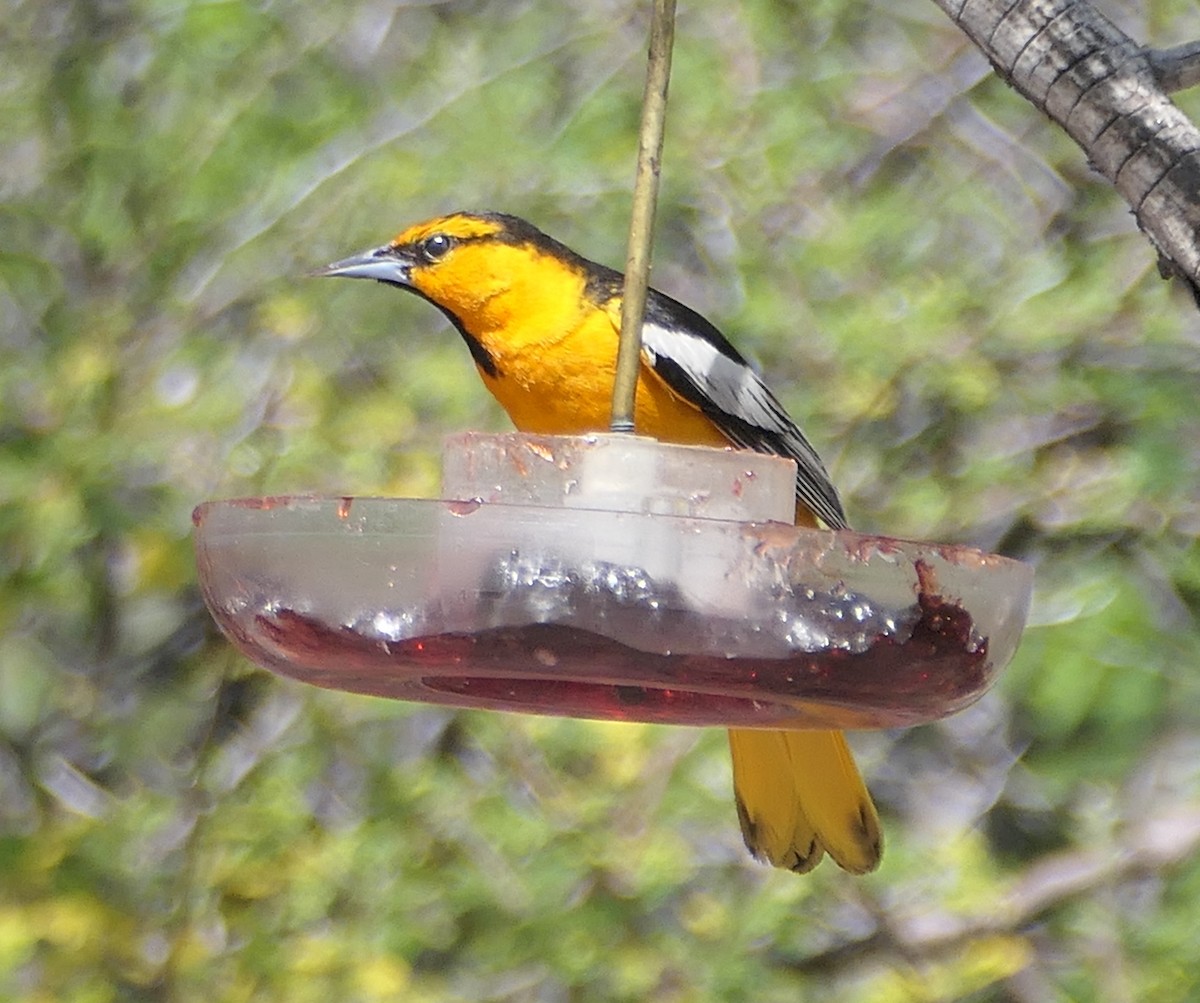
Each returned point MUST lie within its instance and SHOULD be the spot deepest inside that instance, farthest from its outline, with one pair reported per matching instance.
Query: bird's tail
(799, 796)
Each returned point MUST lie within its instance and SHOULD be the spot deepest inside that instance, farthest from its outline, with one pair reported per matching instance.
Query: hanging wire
(641, 226)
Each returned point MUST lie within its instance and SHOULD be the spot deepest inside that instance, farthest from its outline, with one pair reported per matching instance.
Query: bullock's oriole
(541, 323)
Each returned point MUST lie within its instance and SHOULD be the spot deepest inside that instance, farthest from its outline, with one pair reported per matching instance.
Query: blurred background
(958, 312)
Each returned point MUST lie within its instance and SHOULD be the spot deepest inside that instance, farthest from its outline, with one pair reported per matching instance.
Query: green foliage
(960, 314)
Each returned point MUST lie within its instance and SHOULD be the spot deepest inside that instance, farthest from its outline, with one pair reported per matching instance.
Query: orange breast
(564, 386)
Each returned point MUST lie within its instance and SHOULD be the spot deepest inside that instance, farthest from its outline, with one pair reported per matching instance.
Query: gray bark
(1108, 93)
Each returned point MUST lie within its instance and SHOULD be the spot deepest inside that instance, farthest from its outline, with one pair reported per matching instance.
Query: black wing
(698, 363)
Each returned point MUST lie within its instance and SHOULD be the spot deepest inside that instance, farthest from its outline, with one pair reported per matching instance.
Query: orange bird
(541, 323)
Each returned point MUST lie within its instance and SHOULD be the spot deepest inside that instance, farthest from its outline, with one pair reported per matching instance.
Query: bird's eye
(435, 247)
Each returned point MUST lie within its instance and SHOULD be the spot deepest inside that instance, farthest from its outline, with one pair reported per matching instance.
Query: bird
(541, 323)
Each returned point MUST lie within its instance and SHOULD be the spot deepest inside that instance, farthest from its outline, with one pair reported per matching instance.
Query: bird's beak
(384, 264)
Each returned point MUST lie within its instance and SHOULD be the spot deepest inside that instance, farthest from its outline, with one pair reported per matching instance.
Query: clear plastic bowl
(627, 615)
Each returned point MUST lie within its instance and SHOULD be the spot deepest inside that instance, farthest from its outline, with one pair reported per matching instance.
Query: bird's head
(481, 269)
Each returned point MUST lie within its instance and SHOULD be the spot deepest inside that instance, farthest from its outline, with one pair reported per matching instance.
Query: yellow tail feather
(799, 796)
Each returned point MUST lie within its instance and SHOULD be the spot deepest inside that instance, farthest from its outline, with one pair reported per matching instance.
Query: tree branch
(1178, 68)
(1109, 94)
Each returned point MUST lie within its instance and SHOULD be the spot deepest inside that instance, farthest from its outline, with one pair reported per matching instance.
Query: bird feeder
(612, 577)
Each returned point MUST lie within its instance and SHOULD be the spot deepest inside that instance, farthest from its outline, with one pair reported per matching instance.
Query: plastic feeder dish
(610, 576)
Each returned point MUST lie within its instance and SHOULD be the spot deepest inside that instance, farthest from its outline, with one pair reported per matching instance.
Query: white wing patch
(725, 387)
(731, 385)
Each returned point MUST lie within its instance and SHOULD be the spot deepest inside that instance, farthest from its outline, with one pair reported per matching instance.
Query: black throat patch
(483, 358)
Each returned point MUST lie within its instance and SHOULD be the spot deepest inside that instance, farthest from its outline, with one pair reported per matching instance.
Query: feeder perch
(614, 577)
